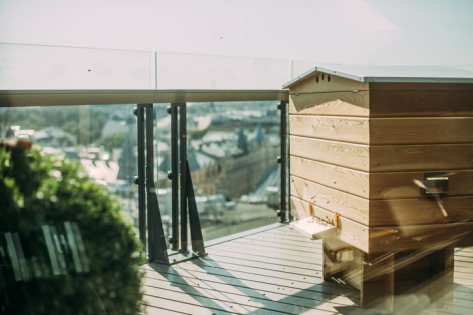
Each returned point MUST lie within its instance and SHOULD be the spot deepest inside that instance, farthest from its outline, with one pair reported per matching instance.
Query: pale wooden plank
(263, 263)
(419, 211)
(292, 244)
(330, 104)
(385, 239)
(465, 260)
(414, 130)
(276, 262)
(382, 185)
(465, 270)
(351, 232)
(153, 310)
(264, 250)
(270, 240)
(346, 129)
(227, 280)
(396, 185)
(265, 280)
(347, 205)
(354, 156)
(269, 244)
(281, 301)
(288, 231)
(451, 309)
(287, 238)
(193, 303)
(465, 251)
(340, 178)
(467, 263)
(398, 158)
(253, 287)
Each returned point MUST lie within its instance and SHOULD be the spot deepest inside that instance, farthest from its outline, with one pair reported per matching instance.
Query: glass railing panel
(102, 138)
(232, 153)
(31, 67)
(300, 67)
(189, 71)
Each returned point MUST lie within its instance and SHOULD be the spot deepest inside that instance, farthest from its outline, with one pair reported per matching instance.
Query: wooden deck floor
(273, 272)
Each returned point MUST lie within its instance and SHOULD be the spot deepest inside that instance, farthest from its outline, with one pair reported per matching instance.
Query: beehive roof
(418, 74)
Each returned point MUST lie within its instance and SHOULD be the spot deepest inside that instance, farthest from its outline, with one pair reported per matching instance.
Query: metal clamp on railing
(283, 161)
(183, 197)
(150, 223)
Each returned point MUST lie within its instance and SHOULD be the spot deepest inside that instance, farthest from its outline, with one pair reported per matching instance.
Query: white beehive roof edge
(387, 74)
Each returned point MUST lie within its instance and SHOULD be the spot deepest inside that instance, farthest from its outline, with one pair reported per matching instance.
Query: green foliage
(38, 190)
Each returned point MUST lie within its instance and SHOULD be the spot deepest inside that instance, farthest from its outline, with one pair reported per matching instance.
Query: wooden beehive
(365, 142)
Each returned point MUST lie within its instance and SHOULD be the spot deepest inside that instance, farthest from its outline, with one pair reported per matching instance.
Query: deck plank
(275, 271)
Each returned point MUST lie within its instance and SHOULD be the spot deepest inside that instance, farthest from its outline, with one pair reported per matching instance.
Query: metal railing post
(183, 173)
(283, 161)
(173, 110)
(140, 180)
(157, 246)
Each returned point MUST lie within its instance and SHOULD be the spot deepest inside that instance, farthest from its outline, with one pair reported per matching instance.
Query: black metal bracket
(149, 214)
(184, 206)
(151, 229)
(435, 185)
(284, 213)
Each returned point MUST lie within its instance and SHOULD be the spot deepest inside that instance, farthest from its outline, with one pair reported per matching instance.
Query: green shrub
(45, 195)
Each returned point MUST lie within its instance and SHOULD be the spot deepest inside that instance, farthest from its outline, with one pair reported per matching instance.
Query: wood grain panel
(419, 211)
(351, 232)
(349, 206)
(316, 83)
(401, 184)
(415, 157)
(420, 130)
(386, 239)
(421, 103)
(355, 156)
(341, 178)
(215, 287)
(331, 104)
(345, 129)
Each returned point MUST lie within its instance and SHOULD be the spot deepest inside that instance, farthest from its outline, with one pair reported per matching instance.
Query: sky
(290, 37)
(339, 31)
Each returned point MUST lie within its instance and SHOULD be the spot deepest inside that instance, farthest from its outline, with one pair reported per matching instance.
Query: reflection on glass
(51, 67)
(102, 138)
(189, 71)
(232, 151)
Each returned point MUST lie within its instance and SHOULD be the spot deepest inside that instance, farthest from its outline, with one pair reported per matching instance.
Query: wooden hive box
(364, 146)
(365, 142)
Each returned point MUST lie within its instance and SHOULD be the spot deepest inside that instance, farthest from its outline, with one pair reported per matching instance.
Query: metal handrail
(22, 98)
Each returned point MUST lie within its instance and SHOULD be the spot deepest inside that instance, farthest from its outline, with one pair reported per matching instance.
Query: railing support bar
(283, 160)
(174, 176)
(139, 112)
(157, 246)
(183, 173)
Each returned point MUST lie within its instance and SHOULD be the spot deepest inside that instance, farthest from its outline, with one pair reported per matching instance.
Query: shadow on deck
(276, 271)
